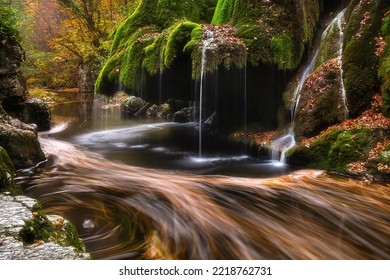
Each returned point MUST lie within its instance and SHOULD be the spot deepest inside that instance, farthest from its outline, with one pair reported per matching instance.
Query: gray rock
(14, 211)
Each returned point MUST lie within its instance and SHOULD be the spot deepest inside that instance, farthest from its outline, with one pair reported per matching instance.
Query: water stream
(207, 45)
(133, 191)
(281, 145)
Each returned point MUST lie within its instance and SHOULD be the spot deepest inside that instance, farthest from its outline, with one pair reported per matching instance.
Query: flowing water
(339, 19)
(137, 190)
(281, 145)
(207, 45)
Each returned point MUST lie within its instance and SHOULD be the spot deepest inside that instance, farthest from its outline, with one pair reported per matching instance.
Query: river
(136, 189)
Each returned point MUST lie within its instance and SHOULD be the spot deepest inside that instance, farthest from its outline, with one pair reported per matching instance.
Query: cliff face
(18, 138)
(12, 85)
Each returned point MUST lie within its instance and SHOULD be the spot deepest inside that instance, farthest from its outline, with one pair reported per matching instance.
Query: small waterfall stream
(206, 45)
(282, 144)
(340, 18)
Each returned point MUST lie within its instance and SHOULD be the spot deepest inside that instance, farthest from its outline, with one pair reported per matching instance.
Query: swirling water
(130, 202)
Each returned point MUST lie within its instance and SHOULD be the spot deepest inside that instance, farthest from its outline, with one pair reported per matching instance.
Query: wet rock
(14, 213)
(152, 111)
(12, 84)
(21, 144)
(132, 106)
(184, 115)
(37, 112)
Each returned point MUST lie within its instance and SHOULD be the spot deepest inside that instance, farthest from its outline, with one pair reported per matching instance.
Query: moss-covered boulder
(336, 149)
(321, 104)
(360, 62)
(133, 106)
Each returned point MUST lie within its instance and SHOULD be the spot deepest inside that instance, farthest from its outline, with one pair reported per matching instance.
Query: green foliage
(8, 20)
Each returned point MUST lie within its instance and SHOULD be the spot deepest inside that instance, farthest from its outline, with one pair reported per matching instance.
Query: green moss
(384, 66)
(335, 149)
(360, 71)
(7, 172)
(41, 228)
(315, 156)
(109, 74)
(154, 54)
(350, 146)
(329, 46)
(143, 16)
(282, 47)
(178, 39)
(224, 11)
(169, 12)
(274, 32)
(385, 155)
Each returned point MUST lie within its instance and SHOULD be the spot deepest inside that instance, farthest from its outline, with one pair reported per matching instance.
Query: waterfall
(340, 18)
(287, 141)
(206, 45)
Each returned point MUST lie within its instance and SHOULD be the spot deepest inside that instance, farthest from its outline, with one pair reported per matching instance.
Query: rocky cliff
(20, 118)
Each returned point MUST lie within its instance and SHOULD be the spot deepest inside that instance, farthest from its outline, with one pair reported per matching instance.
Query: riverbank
(26, 233)
(357, 147)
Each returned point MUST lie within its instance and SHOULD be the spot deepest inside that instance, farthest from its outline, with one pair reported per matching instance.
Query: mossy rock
(22, 145)
(385, 156)
(384, 64)
(320, 104)
(50, 228)
(132, 106)
(7, 171)
(360, 62)
(335, 149)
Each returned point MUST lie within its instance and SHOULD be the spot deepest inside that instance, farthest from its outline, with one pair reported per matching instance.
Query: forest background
(66, 41)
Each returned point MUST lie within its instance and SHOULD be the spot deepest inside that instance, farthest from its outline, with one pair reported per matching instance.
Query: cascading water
(340, 18)
(281, 145)
(207, 44)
